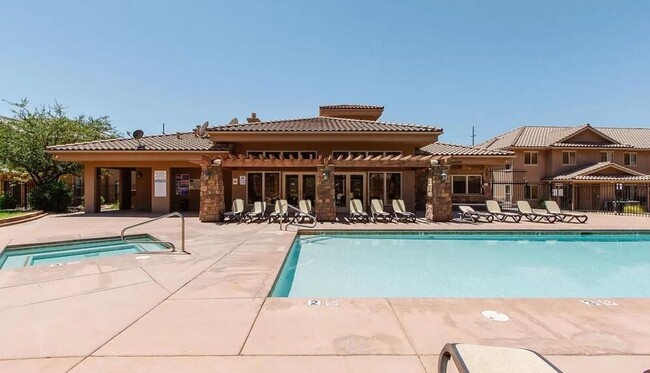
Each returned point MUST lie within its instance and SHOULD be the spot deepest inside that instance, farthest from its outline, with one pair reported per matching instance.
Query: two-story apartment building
(582, 167)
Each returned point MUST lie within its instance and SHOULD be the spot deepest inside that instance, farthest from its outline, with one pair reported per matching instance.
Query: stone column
(325, 200)
(487, 184)
(438, 199)
(211, 194)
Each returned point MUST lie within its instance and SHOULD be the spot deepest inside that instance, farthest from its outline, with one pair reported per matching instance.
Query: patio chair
(377, 210)
(305, 212)
(527, 211)
(468, 213)
(475, 358)
(356, 211)
(237, 211)
(494, 209)
(257, 213)
(309, 206)
(400, 213)
(564, 216)
(281, 211)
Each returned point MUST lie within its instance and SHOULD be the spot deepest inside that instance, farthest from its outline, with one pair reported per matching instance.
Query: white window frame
(609, 156)
(385, 196)
(531, 158)
(466, 184)
(569, 152)
(627, 159)
(383, 152)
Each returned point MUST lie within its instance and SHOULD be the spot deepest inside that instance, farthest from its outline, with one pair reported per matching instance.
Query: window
(607, 156)
(286, 154)
(530, 158)
(386, 186)
(629, 159)
(263, 186)
(530, 191)
(466, 184)
(356, 153)
(568, 157)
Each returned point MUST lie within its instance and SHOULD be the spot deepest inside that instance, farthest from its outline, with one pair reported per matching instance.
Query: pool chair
(305, 212)
(527, 211)
(257, 213)
(400, 213)
(475, 358)
(356, 211)
(237, 211)
(377, 210)
(494, 209)
(468, 213)
(564, 216)
(281, 211)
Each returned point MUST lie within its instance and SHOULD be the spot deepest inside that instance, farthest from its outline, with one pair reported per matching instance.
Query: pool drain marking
(143, 257)
(313, 302)
(598, 302)
(332, 302)
(495, 315)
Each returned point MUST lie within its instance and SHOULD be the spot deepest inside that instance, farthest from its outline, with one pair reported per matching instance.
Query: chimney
(253, 118)
(352, 111)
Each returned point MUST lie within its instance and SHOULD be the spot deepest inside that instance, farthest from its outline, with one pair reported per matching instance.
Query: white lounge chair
(494, 209)
(564, 216)
(377, 210)
(468, 213)
(474, 358)
(305, 212)
(281, 211)
(237, 211)
(257, 213)
(527, 211)
(356, 211)
(400, 213)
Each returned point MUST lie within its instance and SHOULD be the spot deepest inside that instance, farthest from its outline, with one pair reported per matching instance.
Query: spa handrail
(170, 244)
(292, 221)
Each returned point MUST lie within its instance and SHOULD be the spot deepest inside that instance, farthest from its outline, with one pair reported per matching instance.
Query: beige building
(346, 152)
(582, 167)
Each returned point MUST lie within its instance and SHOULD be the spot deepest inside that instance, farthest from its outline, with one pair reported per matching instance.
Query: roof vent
(253, 118)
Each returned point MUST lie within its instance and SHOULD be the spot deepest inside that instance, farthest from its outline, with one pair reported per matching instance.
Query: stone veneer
(325, 200)
(212, 193)
(438, 198)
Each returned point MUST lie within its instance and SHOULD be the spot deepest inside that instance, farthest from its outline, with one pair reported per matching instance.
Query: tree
(25, 136)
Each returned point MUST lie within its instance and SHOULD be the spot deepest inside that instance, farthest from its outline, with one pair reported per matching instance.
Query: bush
(55, 196)
(8, 202)
(633, 209)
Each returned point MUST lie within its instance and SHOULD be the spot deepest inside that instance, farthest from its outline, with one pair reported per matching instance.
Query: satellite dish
(234, 121)
(202, 129)
(137, 134)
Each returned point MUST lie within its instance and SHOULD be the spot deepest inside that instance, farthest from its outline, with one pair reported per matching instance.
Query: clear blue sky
(492, 64)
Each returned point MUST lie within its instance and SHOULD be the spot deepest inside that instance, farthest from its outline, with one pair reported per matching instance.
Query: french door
(349, 186)
(299, 186)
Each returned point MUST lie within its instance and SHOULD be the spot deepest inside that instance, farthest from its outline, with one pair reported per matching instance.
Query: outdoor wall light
(138, 174)
(437, 168)
(326, 174)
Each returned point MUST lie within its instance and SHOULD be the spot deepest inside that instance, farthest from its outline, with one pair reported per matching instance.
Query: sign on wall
(160, 183)
(242, 180)
(182, 184)
(235, 181)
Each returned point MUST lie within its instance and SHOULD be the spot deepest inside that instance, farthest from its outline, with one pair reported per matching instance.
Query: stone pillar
(487, 184)
(438, 199)
(212, 194)
(325, 200)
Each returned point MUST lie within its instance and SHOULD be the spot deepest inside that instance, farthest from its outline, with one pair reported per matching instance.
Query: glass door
(346, 187)
(291, 189)
(357, 187)
(308, 188)
(341, 192)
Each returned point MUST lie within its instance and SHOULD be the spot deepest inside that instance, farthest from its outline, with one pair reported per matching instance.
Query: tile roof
(547, 136)
(323, 124)
(440, 148)
(587, 173)
(351, 106)
(175, 142)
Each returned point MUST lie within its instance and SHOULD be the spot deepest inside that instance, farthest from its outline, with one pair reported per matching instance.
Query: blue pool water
(474, 265)
(73, 251)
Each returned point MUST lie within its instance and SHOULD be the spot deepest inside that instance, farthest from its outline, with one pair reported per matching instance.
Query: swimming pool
(467, 265)
(70, 252)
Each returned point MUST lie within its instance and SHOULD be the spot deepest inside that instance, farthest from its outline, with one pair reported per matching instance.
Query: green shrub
(633, 209)
(55, 196)
(8, 202)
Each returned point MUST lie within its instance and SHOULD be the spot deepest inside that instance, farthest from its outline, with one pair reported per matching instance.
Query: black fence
(616, 198)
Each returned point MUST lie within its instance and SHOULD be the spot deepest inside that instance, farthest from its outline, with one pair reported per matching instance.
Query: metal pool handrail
(292, 222)
(170, 244)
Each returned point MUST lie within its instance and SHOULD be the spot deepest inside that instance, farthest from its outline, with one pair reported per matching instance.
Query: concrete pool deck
(209, 312)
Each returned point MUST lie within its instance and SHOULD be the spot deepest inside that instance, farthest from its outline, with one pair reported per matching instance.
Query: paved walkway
(209, 312)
